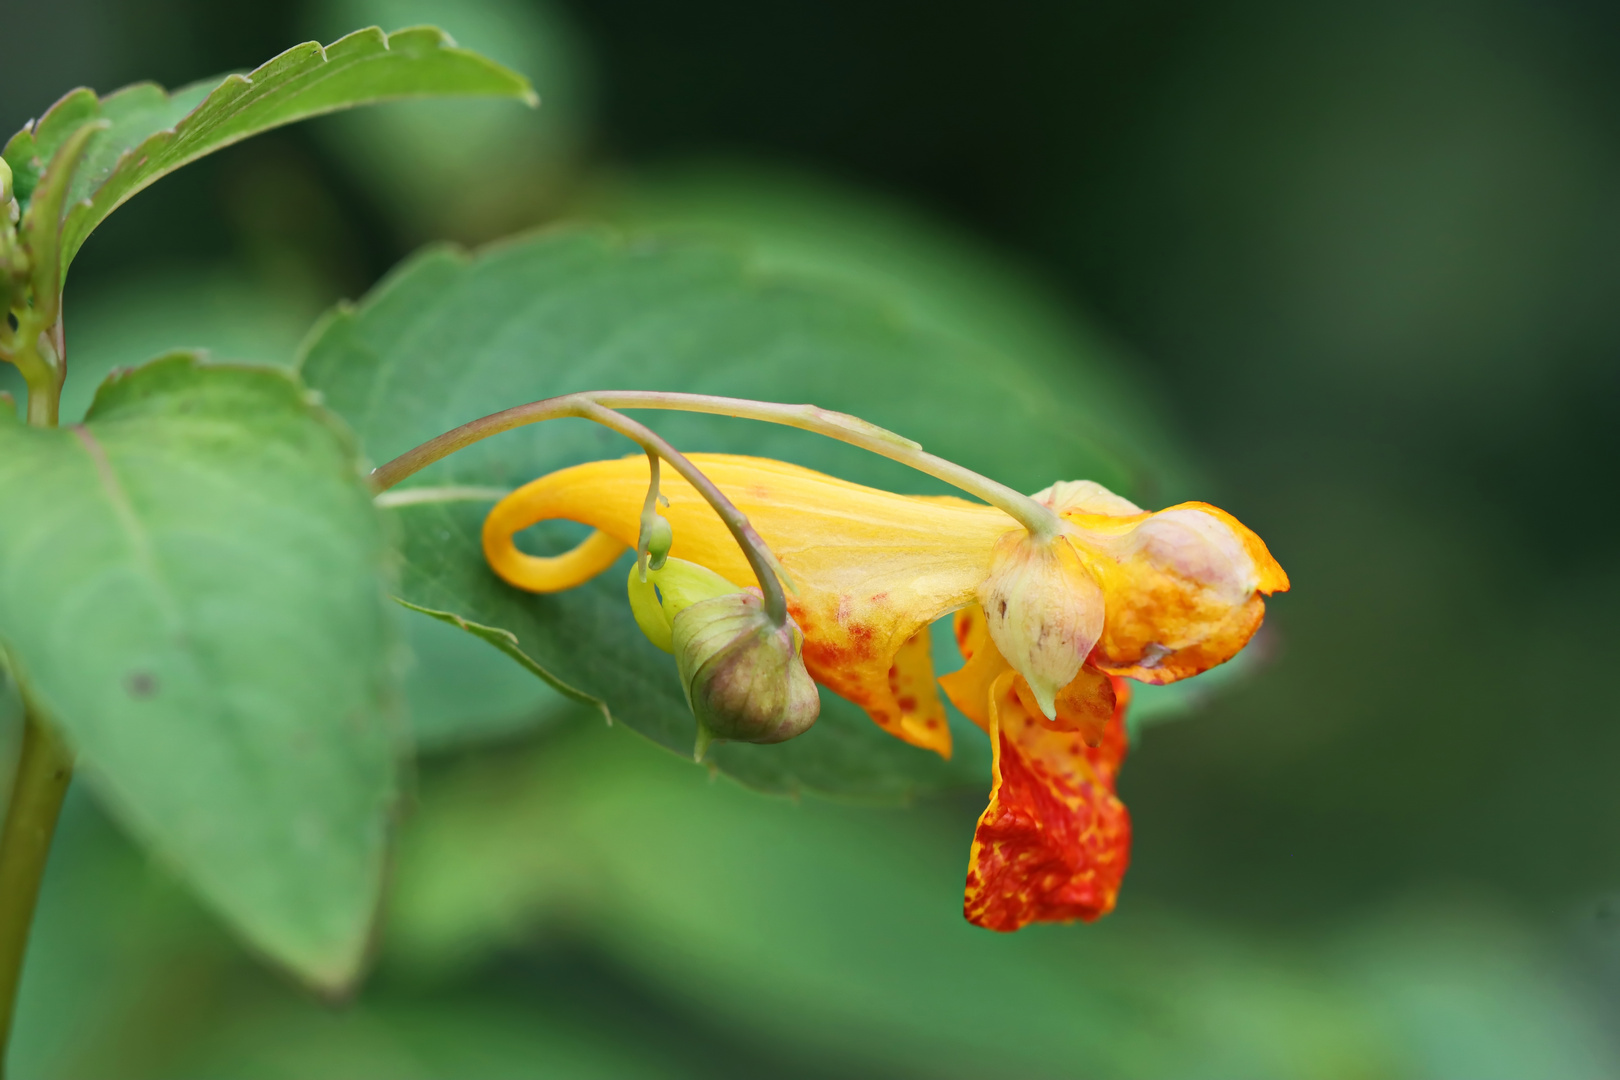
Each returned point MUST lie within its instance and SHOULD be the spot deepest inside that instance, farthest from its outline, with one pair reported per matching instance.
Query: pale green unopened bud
(744, 678)
(5, 182)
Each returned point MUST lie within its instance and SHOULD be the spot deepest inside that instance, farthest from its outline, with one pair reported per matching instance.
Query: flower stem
(767, 570)
(1039, 520)
(38, 348)
(649, 511)
(43, 771)
(33, 350)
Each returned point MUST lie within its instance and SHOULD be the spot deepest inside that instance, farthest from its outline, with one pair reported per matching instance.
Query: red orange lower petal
(1054, 842)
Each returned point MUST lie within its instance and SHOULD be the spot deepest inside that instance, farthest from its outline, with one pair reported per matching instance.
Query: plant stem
(766, 569)
(43, 771)
(44, 766)
(1039, 520)
(44, 378)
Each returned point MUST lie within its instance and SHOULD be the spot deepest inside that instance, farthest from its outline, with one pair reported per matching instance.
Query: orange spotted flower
(1051, 628)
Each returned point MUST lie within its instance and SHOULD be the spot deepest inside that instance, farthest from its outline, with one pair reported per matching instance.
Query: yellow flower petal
(1054, 842)
(872, 568)
(968, 686)
(911, 681)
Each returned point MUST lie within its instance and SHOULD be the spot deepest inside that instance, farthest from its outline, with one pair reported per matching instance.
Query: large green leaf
(192, 590)
(456, 690)
(451, 337)
(151, 132)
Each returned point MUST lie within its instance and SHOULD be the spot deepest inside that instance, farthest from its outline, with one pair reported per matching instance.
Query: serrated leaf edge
(230, 87)
(507, 642)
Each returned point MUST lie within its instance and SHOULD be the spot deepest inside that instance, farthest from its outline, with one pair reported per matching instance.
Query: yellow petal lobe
(1054, 842)
(968, 686)
(911, 681)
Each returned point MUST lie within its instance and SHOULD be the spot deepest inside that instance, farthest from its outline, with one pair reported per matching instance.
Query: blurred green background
(1364, 260)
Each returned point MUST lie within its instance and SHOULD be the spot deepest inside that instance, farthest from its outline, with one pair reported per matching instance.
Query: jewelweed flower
(1051, 629)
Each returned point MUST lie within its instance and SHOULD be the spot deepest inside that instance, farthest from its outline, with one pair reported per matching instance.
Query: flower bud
(1043, 611)
(5, 182)
(669, 590)
(744, 678)
(660, 538)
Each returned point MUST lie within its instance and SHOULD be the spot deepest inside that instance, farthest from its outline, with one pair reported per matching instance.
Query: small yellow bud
(1043, 611)
(744, 678)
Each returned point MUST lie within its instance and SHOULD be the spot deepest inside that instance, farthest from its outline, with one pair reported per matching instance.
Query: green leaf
(43, 222)
(461, 692)
(192, 590)
(152, 133)
(451, 337)
(458, 690)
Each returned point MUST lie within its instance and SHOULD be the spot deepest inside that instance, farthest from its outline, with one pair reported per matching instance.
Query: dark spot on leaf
(141, 684)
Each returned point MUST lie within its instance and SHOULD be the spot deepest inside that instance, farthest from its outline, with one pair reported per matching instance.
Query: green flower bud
(744, 678)
(5, 182)
(660, 539)
(668, 590)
